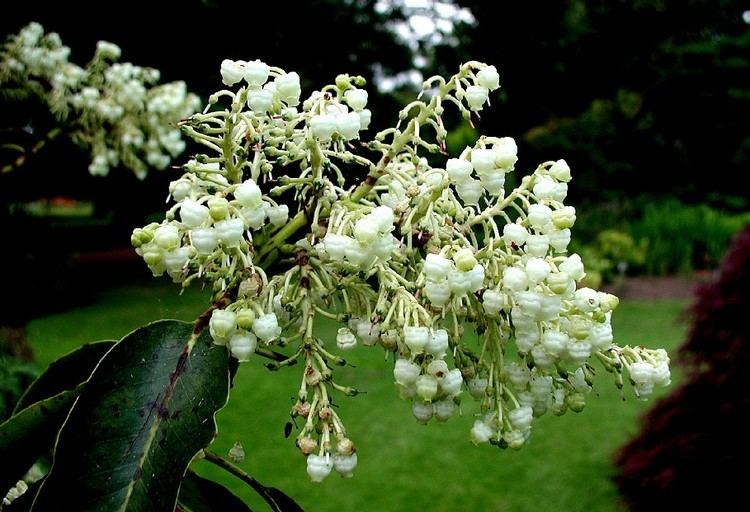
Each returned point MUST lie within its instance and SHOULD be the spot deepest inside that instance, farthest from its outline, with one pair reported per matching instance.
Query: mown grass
(403, 466)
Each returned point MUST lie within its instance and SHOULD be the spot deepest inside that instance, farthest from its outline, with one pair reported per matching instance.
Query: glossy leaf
(143, 415)
(198, 494)
(65, 373)
(29, 434)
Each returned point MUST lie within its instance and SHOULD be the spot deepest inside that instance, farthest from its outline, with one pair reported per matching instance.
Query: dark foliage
(691, 452)
(645, 96)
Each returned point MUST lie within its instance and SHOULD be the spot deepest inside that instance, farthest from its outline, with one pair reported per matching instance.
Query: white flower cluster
(399, 251)
(115, 110)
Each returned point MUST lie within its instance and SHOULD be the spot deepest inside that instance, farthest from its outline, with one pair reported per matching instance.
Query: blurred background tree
(687, 455)
(641, 97)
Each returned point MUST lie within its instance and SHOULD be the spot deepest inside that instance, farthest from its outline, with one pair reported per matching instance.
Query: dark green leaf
(282, 502)
(65, 373)
(29, 434)
(198, 494)
(145, 412)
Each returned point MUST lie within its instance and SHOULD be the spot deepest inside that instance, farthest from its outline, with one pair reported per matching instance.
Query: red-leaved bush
(693, 451)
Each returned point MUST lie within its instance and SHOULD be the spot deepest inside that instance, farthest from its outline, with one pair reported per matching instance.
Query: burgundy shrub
(692, 450)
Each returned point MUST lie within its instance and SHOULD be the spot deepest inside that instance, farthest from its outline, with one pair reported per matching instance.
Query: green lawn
(403, 465)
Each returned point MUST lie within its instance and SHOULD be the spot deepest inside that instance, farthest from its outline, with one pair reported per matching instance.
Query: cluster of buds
(117, 111)
(291, 223)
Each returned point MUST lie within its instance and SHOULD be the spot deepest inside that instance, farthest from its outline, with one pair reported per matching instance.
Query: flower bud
(319, 467)
(459, 282)
(601, 337)
(576, 402)
(506, 153)
(515, 279)
(307, 445)
(586, 299)
(245, 317)
(366, 230)
(464, 259)
(436, 267)
(539, 215)
(493, 302)
(218, 207)
(204, 240)
(260, 101)
(243, 344)
(248, 194)
(180, 189)
(542, 359)
(564, 217)
(477, 386)
(167, 237)
(230, 231)
(608, 302)
(278, 215)
(365, 116)
(256, 72)
(222, 324)
(560, 171)
(545, 188)
(573, 266)
(480, 432)
(443, 409)
(476, 278)
(521, 417)
(356, 98)
(476, 96)
(537, 270)
(254, 218)
(153, 258)
(323, 126)
(515, 439)
(345, 464)
(192, 213)
(176, 260)
(266, 327)
(515, 233)
(451, 383)
(578, 352)
(437, 368)
(493, 183)
(470, 191)
(483, 160)
(427, 387)
(560, 283)
(438, 293)
(348, 125)
(488, 77)
(438, 343)
(405, 372)
(422, 411)
(345, 339)
(367, 332)
(458, 170)
(336, 245)
(518, 375)
(416, 338)
(231, 72)
(554, 342)
(288, 88)
(537, 245)
(559, 239)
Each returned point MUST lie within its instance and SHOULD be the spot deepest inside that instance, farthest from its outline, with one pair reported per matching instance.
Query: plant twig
(261, 489)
